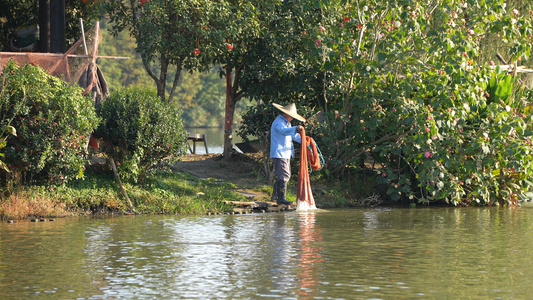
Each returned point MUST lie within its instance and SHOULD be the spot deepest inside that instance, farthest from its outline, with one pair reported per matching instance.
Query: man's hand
(299, 128)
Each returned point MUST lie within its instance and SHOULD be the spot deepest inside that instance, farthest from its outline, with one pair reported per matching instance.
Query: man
(282, 134)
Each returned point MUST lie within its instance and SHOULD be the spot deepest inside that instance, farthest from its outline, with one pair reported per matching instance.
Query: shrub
(255, 124)
(52, 120)
(6, 131)
(138, 131)
(407, 85)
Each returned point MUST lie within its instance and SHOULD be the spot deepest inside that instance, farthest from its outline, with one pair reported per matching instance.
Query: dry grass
(19, 206)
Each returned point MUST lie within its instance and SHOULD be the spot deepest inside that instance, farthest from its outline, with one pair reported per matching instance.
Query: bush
(138, 131)
(408, 87)
(52, 120)
(255, 124)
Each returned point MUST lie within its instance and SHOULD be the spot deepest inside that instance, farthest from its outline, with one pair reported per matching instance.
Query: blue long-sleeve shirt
(281, 136)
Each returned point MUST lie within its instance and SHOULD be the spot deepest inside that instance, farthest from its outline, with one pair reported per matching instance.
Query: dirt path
(240, 171)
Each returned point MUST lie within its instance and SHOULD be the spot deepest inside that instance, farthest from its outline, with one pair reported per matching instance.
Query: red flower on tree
(196, 52)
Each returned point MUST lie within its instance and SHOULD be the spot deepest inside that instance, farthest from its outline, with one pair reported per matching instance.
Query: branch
(238, 70)
(175, 83)
(377, 36)
(386, 138)
(148, 70)
(501, 59)
(114, 167)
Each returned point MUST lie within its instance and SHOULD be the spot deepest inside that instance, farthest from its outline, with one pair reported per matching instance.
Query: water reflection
(343, 254)
(310, 260)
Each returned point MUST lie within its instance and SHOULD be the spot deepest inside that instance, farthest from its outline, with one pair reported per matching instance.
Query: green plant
(138, 131)
(407, 88)
(3, 142)
(53, 120)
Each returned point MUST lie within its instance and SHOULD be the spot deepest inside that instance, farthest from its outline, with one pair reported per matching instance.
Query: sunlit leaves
(138, 131)
(424, 88)
(52, 121)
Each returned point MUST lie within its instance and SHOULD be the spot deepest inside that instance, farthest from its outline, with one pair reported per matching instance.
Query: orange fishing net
(308, 157)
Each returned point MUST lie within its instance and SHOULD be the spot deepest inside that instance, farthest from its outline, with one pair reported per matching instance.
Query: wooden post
(57, 26)
(205, 144)
(44, 26)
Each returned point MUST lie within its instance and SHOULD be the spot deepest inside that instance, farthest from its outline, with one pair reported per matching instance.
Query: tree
(120, 73)
(263, 57)
(169, 33)
(252, 40)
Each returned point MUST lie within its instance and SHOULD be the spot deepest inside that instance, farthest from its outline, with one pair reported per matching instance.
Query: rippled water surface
(383, 253)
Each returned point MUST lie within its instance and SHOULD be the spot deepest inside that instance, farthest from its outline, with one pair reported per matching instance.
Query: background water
(380, 253)
(215, 139)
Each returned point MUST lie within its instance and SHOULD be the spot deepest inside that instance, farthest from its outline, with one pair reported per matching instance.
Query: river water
(377, 253)
(214, 139)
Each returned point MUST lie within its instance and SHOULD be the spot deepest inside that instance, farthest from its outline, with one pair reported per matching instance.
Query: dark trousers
(282, 168)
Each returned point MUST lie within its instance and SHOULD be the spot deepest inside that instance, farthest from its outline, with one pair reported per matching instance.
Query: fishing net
(309, 156)
(77, 65)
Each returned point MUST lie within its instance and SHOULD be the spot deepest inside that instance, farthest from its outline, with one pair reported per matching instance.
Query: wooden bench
(195, 137)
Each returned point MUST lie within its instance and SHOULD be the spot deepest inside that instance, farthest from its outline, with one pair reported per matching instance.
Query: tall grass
(21, 205)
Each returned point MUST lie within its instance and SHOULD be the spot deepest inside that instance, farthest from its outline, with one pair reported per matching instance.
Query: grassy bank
(166, 193)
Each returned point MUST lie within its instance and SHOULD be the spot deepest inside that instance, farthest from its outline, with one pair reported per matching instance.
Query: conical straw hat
(290, 109)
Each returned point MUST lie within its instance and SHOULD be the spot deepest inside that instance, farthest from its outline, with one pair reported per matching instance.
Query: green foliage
(200, 95)
(165, 192)
(256, 123)
(177, 34)
(500, 87)
(184, 194)
(52, 120)
(274, 50)
(120, 72)
(406, 88)
(255, 127)
(8, 129)
(138, 131)
(406, 83)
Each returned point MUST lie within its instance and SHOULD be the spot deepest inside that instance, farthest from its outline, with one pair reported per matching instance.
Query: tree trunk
(228, 138)
(232, 97)
(162, 82)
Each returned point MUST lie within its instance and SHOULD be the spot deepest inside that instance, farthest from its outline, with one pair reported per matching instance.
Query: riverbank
(198, 184)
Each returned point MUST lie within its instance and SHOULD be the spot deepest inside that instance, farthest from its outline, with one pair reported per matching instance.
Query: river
(375, 253)
(214, 138)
